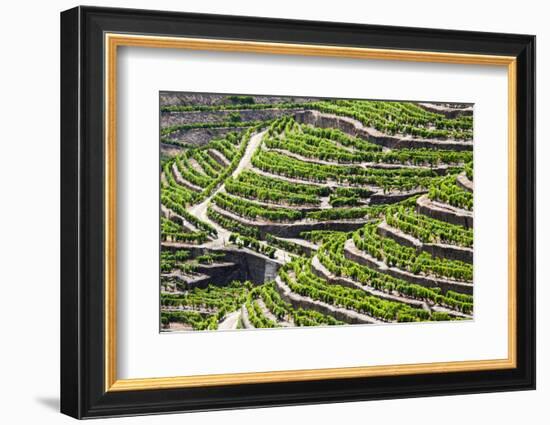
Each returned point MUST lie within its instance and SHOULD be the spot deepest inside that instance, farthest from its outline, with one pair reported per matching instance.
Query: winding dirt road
(230, 322)
(199, 210)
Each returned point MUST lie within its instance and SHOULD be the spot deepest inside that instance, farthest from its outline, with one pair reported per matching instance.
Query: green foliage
(234, 117)
(198, 321)
(253, 210)
(387, 178)
(245, 190)
(331, 176)
(180, 210)
(251, 178)
(252, 243)
(406, 258)
(256, 315)
(232, 225)
(225, 147)
(343, 201)
(346, 213)
(447, 191)
(220, 124)
(284, 311)
(237, 103)
(285, 245)
(188, 172)
(300, 279)
(334, 145)
(400, 118)
(205, 307)
(241, 100)
(427, 229)
(331, 255)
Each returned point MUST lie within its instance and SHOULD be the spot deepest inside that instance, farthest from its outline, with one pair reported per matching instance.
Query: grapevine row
(331, 255)
(253, 210)
(397, 255)
(428, 230)
(308, 284)
(447, 191)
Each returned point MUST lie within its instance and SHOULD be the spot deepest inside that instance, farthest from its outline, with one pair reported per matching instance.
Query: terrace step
(355, 128)
(178, 219)
(197, 167)
(214, 268)
(378, 196)
(304, 208)
(172, 149)
(464, 182)
(444, 212)
(450, 113)
(186, 281)
(219, 274)
(351, 252)
(267, 313)
(439, 170)
(219, 157)
(307, 246)
(198, 137)
(451, 252)
(329, 183)
(253, 266)
(188, 308)
(321, 271)
(245, 319)
(393, 197)
(293, 230)
(339, 313)
(221, 116)
(180, 180)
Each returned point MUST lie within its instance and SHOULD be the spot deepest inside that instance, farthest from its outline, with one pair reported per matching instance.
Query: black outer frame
(82, 207)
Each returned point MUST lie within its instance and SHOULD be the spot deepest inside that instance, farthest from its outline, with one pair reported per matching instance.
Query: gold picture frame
(114, 41)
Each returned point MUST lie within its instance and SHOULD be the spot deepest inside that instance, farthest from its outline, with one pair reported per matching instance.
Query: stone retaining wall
(444, 213)
(308, 248)
(181, 181)
(321, 271)
(201, 136)
(306, 303)
(392, 198)
(450, 252)
(249, 265)
(293, 230)
(168, 119)
(464, 182)
(216, 274)
(450, 113)
(356, 128)
(352, 253)
(219, 157)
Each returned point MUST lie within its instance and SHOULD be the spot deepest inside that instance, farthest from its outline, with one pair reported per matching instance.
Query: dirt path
(230, 322)
(199, 210)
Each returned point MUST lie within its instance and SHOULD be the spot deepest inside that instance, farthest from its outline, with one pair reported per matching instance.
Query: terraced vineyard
(283, 212)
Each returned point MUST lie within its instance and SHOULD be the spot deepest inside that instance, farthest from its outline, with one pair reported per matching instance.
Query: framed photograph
(261, 212)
